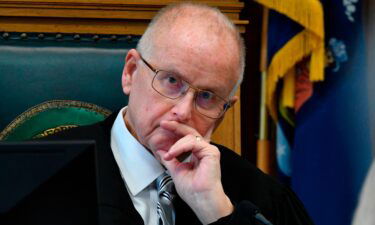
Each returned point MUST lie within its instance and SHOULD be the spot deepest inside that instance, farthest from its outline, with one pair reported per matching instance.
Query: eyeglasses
(170, 85)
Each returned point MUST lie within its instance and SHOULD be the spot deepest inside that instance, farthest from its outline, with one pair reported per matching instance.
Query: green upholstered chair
(83, 73)
(51, 117)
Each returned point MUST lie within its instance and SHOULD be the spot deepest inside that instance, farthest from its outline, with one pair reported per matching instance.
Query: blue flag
(323, 130)
(332, 149)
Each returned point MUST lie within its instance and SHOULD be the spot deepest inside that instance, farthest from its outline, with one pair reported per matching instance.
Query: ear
(129, 70)
(231, 103)
(233, 100)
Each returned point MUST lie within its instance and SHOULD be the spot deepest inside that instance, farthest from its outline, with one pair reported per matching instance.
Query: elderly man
(180, 80)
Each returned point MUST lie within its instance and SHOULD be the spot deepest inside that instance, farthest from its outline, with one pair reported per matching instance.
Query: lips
(164, 139)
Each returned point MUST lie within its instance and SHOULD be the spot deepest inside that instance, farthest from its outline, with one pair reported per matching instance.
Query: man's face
(203, 67)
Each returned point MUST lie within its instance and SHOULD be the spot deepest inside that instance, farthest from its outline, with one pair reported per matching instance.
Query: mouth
(168, 134)
(163, 139)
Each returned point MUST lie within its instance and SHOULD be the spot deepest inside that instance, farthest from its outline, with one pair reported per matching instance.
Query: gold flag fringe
(309, 42)
(288, 90)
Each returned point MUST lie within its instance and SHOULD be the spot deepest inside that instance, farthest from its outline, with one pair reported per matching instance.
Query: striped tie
(165, 188)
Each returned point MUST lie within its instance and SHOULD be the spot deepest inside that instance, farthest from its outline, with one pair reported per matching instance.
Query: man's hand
(197, 182)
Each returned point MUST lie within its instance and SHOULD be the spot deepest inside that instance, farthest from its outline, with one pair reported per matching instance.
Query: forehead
(205, 62)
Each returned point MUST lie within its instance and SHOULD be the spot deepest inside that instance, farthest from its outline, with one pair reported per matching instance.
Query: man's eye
(206, 95)
(172, 80)
(206, 100)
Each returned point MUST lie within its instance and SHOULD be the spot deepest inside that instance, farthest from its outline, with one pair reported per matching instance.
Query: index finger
(179, 128)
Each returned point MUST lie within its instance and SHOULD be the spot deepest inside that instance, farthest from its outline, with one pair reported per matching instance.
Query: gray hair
(168, 14)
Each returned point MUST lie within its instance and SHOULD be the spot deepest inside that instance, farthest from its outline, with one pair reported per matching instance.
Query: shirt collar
(138, 166)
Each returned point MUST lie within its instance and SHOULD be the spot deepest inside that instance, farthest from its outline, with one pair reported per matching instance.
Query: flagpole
(263, 144)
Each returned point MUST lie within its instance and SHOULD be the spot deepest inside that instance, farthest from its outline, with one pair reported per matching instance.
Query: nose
(182, 110)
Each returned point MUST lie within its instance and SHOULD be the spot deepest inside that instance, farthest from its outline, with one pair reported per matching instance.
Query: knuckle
(191, 136)
(215, 151)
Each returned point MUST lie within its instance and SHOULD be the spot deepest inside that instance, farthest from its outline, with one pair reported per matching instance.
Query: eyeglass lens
(172, 86)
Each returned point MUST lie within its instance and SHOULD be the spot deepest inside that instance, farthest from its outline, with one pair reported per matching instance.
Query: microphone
(257, 215)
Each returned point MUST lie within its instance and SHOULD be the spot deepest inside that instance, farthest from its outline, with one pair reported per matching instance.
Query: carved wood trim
(80, 16)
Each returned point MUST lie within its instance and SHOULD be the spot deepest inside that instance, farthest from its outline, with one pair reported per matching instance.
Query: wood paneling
(229, 131)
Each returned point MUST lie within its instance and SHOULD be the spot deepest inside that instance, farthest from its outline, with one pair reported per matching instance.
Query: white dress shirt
(139, 169)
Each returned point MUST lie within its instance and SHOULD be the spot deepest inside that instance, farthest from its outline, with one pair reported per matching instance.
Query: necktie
(165, 210)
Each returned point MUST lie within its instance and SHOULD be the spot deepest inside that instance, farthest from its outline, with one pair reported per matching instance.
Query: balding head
(201, 29)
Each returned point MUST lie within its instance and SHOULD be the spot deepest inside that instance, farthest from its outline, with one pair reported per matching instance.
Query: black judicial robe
(241, 180)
